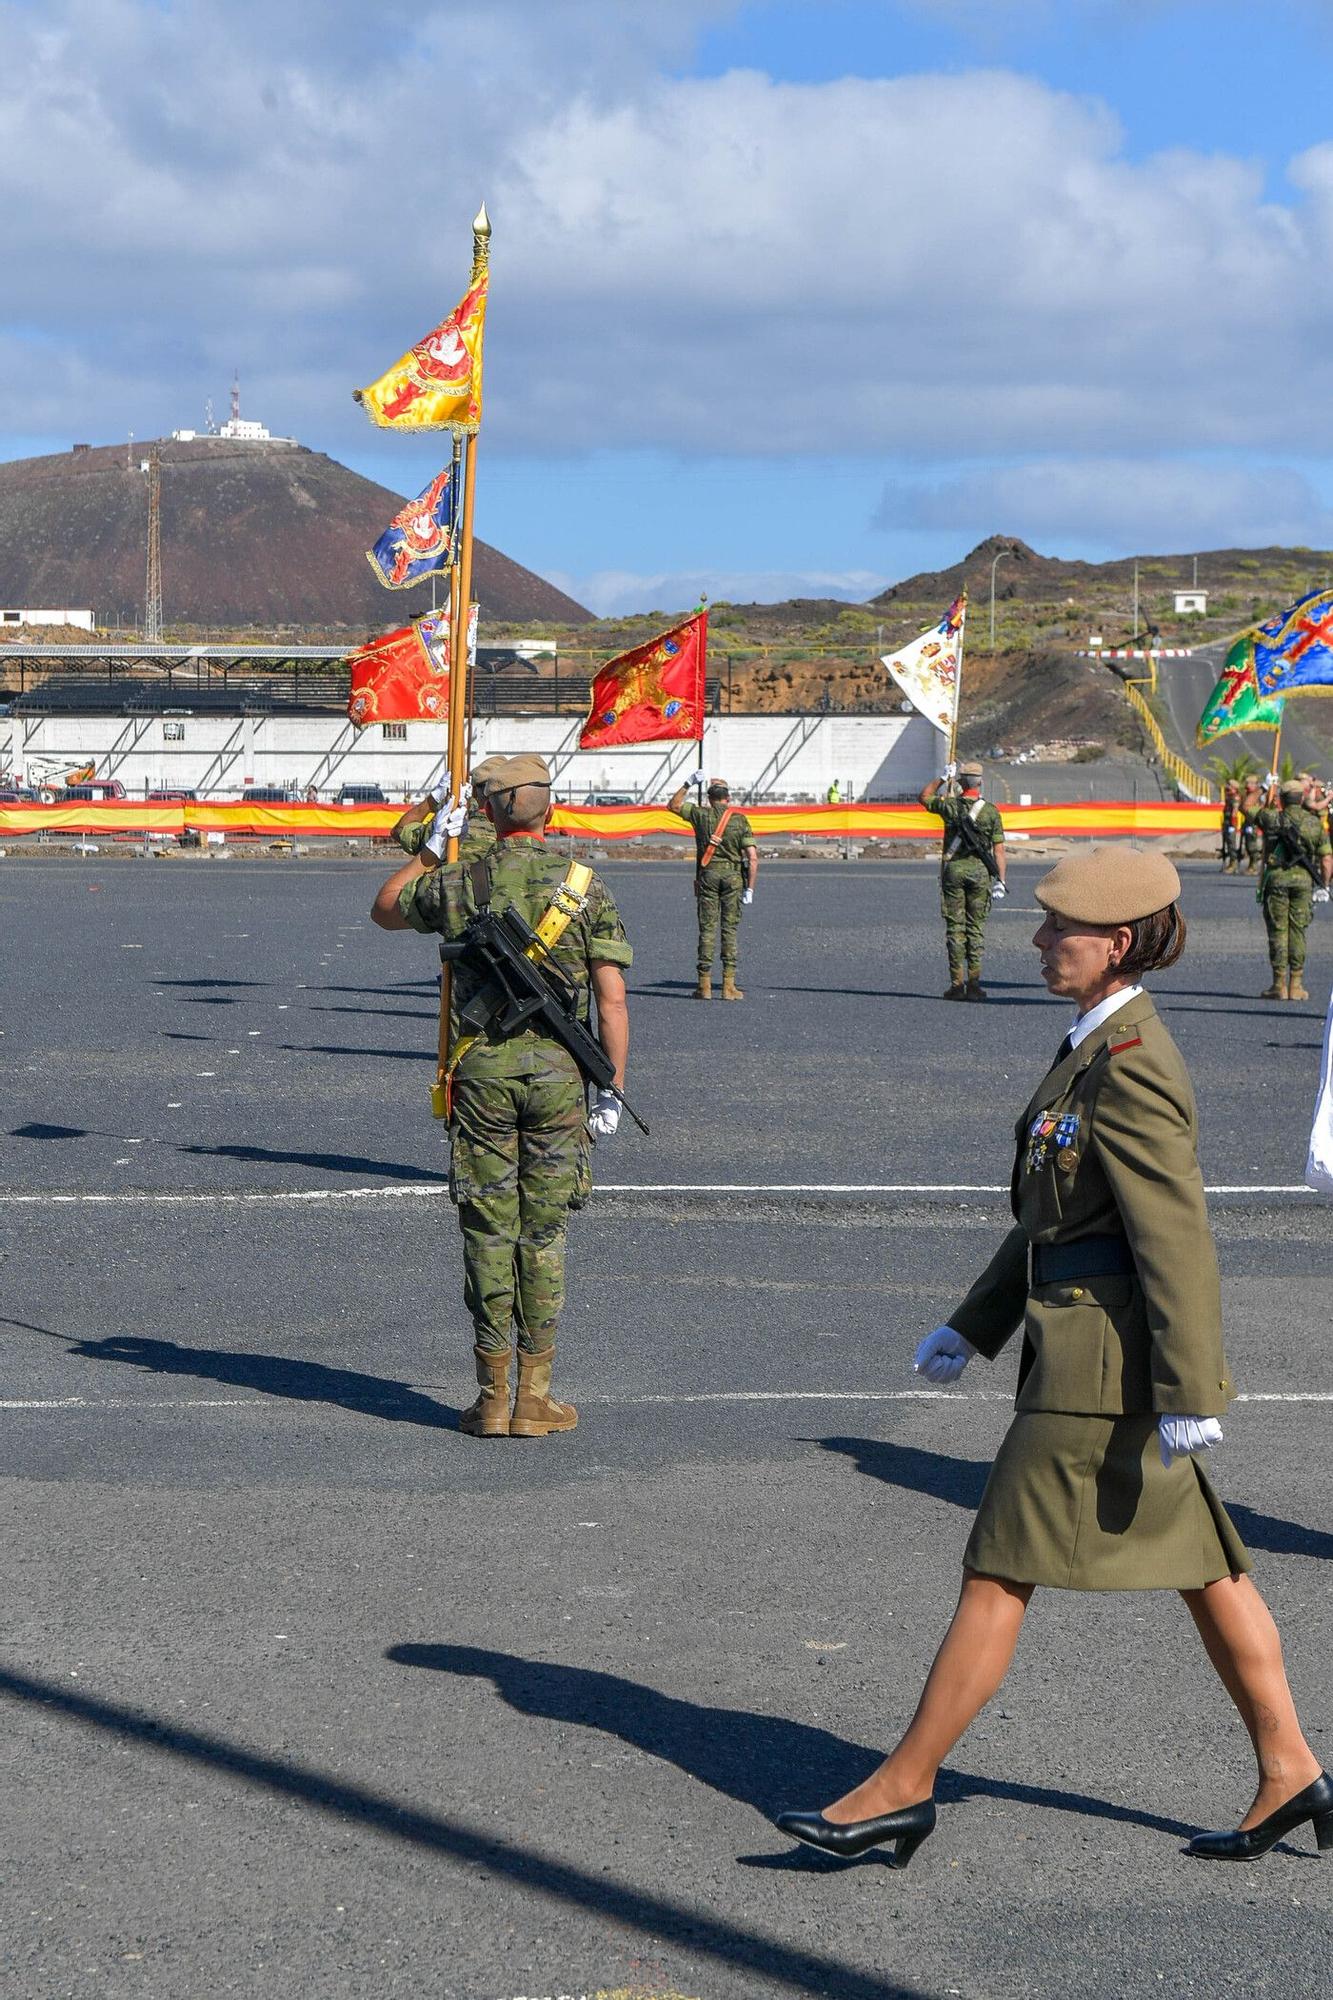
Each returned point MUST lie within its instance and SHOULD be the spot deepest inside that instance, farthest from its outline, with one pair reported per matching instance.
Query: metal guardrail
(1189, 781)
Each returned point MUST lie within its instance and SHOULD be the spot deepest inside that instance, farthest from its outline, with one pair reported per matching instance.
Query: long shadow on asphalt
(334, 1163)
(274, 1375)
(759, 1760)
(332, 1049)
(962, 1481)
(598, 1894)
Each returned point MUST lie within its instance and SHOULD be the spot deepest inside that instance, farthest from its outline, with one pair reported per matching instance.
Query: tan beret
(1291, 788)
(1109, 885)
(970, 771)
(525, 769)
(483, 773)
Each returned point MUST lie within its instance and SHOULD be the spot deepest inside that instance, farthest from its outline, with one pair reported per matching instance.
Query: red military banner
(402, 676)
(653, 694)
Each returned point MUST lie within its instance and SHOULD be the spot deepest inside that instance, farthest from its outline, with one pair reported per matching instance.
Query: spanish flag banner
(436, 386)
(653, 694)
(402, 676)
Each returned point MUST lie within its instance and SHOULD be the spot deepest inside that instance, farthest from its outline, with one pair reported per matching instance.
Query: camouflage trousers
(1288, 909)
(719, 895)
(965, 906)
(522, 1159)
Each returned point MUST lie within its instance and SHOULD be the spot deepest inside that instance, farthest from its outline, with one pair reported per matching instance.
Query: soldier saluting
(971, 872)
(726, 864)
(519, 1122)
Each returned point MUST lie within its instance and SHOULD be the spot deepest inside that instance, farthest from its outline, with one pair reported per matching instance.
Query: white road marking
(431, 1190)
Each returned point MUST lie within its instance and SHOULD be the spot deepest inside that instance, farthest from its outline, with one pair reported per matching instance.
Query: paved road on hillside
(309, 1694)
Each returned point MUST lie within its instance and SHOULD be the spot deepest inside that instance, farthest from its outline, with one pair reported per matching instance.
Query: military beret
(525, 769)
(970, 771)
(718, 785)
(484, 773)
(1291, 788)
(1109, 885)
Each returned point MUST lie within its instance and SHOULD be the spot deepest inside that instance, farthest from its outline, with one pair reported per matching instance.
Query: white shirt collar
(1084, 1024)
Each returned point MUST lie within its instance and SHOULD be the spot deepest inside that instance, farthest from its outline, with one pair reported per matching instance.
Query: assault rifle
(520, 985)
(965, 833)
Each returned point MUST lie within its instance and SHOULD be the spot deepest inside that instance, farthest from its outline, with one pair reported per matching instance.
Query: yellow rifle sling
(568, 901)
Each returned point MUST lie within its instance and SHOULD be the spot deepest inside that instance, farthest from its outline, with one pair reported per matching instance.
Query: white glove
(943, 1355)
(605, 1115)
(747, 896)
(448, 824)
(950, 773)
(1177, 1437)
(1321, 895)
(695, 778)
(1272, 778)
(998, 891)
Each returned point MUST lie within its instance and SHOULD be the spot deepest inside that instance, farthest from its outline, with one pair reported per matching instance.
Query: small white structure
(83, 619)
(1191, 602)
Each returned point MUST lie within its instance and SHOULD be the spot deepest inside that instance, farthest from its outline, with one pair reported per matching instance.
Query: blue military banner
(420, 538)
(1293, 650)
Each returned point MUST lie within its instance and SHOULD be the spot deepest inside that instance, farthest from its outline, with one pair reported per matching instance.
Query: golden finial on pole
(481, 240)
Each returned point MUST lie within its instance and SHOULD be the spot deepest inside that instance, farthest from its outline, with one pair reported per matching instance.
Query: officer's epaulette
(1118, 1048)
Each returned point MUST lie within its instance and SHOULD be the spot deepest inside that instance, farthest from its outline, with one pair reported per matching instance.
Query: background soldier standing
(971, 872)
(1251, 838)
(726, 864)
(1230, 826)
(1298, 862)
(519, 1121)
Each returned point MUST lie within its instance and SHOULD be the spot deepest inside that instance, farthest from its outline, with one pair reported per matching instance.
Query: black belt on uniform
(1087, 1257)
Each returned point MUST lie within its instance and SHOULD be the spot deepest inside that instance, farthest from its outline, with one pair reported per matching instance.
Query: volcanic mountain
(266, 536)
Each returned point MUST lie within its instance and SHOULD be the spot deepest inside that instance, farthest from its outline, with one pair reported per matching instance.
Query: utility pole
(152, 596)
(1136, 603)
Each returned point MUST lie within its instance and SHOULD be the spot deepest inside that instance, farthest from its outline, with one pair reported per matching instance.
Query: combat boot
(704, 988)
(1278, 990)
(489, 1415)
(1296, 988)
(955, 990)
(975, 989)
(730, 990)
(536, 1412)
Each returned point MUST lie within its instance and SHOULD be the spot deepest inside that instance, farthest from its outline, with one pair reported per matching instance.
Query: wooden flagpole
(460, 614)
(958, 688)
(703, 704)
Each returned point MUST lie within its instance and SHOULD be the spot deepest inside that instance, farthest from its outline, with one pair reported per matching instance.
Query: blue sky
(787, 298)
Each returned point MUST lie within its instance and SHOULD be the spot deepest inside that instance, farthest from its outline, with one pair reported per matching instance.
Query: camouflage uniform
(1287, 889)
(521, 1151)
(965, 882)
(721, 884)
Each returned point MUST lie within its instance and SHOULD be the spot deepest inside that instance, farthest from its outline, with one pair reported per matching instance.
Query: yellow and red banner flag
(652, 694)
(927, 671)
(436, 385)
(402, 676)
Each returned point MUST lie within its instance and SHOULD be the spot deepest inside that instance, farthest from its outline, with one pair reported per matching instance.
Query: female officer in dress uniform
(1111, 1272)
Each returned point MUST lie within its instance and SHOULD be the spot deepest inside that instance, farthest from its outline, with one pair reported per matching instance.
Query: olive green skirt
(1085, 1503)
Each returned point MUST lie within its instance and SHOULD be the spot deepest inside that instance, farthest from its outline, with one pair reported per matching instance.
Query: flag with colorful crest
(1236, 703)
(1293, 650)
(402, 676)
(652, 694)
(436, 385)
(928, 669)
(419, 540)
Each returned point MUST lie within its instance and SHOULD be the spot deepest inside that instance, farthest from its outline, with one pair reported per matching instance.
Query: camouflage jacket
(730, 856)
(525, 873)
(951, 809)
(1293, 837)
(478, 838)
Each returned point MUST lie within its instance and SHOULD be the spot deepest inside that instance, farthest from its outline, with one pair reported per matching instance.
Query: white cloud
(1120, 505)
(614, 593)
(932, 266)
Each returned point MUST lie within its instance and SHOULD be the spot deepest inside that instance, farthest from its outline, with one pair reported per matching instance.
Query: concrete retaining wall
(875, 757)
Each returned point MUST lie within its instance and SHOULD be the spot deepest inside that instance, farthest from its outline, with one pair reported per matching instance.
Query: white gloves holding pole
(448, 824)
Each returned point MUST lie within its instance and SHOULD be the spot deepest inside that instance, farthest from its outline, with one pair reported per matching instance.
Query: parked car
(17, 795)
(267, 795)
(361, 795)
(610, 799)
(171, 796)
(97, 789)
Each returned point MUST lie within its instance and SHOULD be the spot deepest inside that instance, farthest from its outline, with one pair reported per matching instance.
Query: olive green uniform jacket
(1107, 1146)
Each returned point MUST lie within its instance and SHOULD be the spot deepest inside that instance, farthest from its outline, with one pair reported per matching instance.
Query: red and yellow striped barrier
(1099, 819)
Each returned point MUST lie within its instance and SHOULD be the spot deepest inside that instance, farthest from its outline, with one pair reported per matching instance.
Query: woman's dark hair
(1154, 942)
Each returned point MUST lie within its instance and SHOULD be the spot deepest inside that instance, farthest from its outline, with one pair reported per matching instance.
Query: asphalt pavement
(310, 1694)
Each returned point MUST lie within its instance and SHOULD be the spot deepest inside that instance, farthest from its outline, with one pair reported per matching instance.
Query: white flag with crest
(928, 670)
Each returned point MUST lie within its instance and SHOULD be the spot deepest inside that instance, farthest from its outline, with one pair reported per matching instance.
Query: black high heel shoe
(908, 1828)
(1315, 1804)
